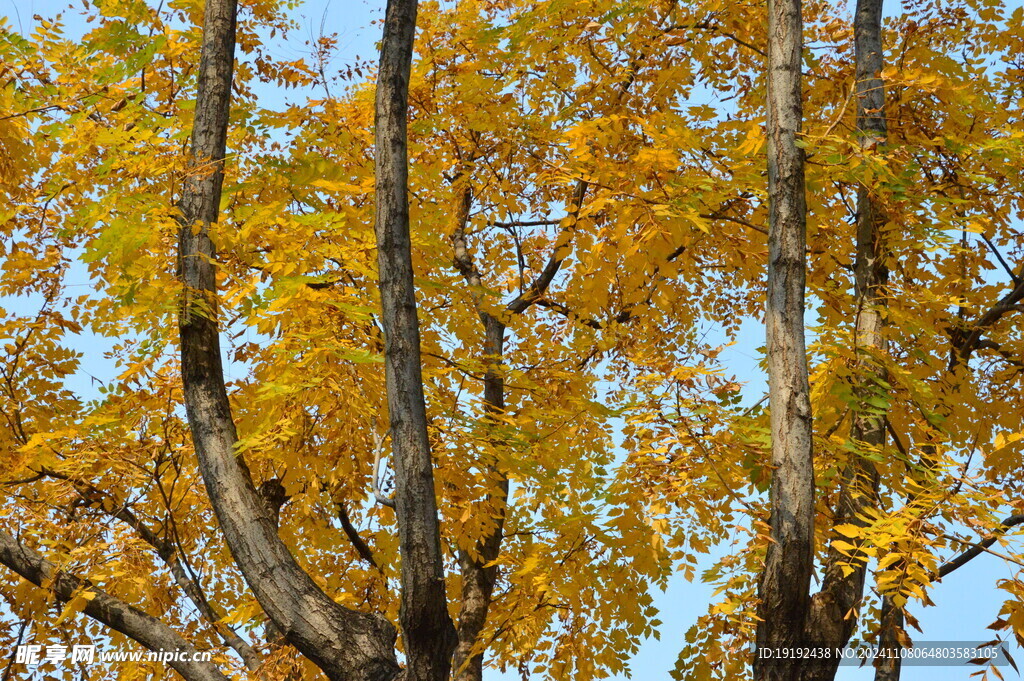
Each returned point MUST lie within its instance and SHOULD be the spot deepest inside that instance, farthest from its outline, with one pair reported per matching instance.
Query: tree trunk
(479, 574)
(347, 645)
(427, 628)
(785, 581)
(887, 668)
(842, 594)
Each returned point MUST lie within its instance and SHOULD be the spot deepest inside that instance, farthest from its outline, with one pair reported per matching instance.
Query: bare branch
(378, 450)
(525, 223)
(738, 221)
(980, 547)
(965, 342)
(361, 547)
(708, 26)
(543, 280)
(999, 256)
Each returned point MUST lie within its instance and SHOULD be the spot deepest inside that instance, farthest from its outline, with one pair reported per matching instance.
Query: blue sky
(966, 602)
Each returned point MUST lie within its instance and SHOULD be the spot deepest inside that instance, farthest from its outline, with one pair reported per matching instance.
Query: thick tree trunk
(831, 623)
(785, 581)
(347, 645)
(427, 628)
(102, 607)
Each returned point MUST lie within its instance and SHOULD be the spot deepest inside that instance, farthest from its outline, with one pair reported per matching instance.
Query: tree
(254, 497)
(429, 634)
(584, 229)
(828, 618)
(344, 643)
(877, 499)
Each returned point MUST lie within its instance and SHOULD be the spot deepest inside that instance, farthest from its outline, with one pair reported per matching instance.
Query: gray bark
(111, 611)
(427, 628)
(345, 644)
(785, 580)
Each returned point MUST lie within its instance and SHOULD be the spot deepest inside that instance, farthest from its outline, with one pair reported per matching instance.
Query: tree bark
(427, 628)
(114, 613)
(346, 645)
(479, 574)
(841, 595)
(785, 580)
(888, 667)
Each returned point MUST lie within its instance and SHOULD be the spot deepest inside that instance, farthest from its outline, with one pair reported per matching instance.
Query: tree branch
(543, 280)
(524, 223)
(708, 26)
(738, 221)
(347, 645)
(979, 548)
(428, 633)
(104, 608)
(966, 342)
(999, 256)
(361, 547)
(167, 552)
(378, 452)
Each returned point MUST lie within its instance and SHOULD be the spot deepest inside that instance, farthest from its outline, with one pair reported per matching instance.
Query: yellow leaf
(851, 531)
(332, 186)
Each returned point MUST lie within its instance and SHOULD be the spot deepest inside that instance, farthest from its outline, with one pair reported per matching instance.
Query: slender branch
(738, 221)
(14, 649)
(543, 280)
(41, 109)
(896, 440)
(980, 547)
(999, 256)
(361, 547)
(104, 608)
(621, 318)
(378, 450)
(167, 552)
(966, 342)
(525, 223)
(708, 26)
